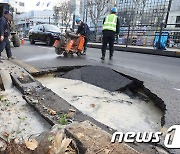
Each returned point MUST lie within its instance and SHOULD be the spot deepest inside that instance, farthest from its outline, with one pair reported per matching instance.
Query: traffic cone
(22, 41)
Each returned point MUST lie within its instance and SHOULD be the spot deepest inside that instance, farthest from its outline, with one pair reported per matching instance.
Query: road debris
(47, 142)
(72, 139)
(18, 120)
(32, 145)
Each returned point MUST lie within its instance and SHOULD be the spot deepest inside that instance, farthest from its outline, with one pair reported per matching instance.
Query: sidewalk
(171, 52)
(17, 119)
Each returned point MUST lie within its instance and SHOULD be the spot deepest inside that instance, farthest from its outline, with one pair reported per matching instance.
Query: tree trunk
(96, 32)
(134, 20)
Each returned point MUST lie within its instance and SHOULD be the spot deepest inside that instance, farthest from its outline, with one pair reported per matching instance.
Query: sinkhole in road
(106, 103)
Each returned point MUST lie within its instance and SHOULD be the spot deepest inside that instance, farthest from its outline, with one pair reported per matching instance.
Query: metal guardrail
(143, 35)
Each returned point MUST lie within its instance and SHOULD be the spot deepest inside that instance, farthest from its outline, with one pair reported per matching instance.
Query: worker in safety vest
(110, 30)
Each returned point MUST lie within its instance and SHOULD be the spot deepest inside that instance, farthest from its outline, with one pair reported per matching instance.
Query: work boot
(111, 58)
(83, 53)
(102, 58)
(1, 58)
(11, 58)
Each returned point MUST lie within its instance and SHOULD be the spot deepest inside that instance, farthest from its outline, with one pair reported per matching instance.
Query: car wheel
(59, 51)
(78, 54)
(65, 54)
(16, 40)
(48, 41)
(31, 40)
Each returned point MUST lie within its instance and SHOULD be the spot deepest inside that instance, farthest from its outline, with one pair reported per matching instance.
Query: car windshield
(51, 28)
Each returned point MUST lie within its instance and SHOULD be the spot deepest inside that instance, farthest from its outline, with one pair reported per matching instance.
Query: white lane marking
(41, 57)
(176, 89)
(46, 47)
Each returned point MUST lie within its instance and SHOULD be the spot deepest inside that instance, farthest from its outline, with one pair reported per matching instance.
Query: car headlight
(54, 34)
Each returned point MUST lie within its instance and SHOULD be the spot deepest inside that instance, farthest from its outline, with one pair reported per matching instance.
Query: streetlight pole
(167, 16)
(73, 25)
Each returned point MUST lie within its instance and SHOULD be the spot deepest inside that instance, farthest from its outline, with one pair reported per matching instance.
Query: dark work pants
(85, 43)
(108, 38)
(5, 44)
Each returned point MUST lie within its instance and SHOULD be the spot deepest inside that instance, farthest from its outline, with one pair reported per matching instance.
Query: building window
(147, 11)
(121, 1)
(178, 21)
(21, 4)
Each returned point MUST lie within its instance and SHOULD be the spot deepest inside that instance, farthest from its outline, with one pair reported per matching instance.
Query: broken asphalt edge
(23, 87)
(175, 54)
(157, 100)
(1, 83)
(56, 69)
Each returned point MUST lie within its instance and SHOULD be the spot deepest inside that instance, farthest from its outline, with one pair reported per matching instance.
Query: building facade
(146, 12)
(25, 21)
(174, 21)
(174, 14)
(18, 5)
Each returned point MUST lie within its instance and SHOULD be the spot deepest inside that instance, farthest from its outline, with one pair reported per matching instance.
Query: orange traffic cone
(22, 41)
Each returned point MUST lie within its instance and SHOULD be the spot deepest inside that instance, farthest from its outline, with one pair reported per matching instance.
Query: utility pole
(49, 20)
(167, 16)
(74, 15)
(73, 25)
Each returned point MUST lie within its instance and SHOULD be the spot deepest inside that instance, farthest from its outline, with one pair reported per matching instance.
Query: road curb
(140, 50)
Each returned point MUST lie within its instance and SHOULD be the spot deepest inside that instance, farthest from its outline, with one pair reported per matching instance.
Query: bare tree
(64, 12)
(97, 9)
(137, 3)
(56, 14)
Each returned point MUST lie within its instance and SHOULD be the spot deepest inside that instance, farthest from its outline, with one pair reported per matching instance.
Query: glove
(117, 36)
(1, 38)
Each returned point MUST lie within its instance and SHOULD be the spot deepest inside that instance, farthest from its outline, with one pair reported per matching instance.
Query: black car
(44, 33)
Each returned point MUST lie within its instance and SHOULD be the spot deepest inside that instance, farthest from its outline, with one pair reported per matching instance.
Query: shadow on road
(74, 57)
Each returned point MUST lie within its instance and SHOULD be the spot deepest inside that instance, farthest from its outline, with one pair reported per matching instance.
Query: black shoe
(102, 58)
(110, 58)
(2, 58)
(11, 58)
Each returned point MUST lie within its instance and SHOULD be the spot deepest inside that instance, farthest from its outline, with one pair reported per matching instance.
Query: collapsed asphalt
(100, 76)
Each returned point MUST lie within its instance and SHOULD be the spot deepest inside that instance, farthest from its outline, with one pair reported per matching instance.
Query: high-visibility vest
(110, 22)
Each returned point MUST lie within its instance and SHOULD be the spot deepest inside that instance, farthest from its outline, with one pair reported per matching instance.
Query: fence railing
(142, 35)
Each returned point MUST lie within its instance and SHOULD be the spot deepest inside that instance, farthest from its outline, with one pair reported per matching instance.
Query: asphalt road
(160, 74)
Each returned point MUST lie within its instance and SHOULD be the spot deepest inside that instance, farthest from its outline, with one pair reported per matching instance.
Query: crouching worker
(83, 29)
